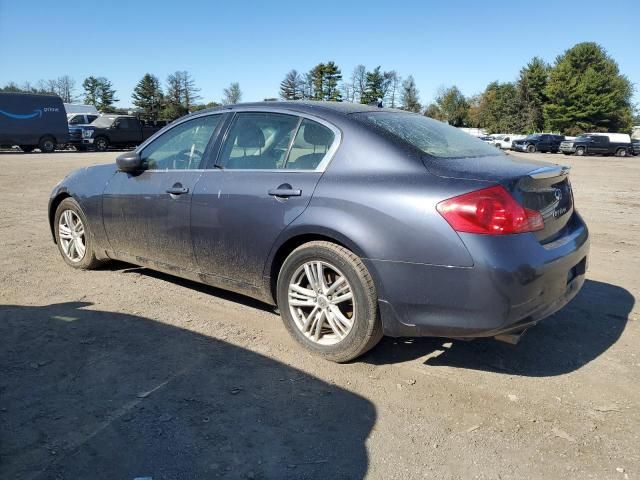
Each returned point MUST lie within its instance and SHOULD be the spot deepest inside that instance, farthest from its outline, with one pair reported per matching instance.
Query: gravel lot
(124, 373)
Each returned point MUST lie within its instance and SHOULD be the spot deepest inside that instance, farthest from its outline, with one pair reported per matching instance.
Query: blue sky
(466, 43)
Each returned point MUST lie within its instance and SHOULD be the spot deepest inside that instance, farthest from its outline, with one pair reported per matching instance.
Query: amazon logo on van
(26, 116)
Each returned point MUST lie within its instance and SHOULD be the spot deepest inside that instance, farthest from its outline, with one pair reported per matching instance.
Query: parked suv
(116, 130)
(617, 144)
(538, 142)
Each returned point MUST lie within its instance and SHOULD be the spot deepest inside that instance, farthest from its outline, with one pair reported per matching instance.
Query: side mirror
(129, 162)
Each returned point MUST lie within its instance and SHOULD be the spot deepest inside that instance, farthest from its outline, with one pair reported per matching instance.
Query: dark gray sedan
(356, 221)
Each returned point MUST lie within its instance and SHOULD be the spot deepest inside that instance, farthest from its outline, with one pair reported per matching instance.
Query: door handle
(177, 190)
(285, 192)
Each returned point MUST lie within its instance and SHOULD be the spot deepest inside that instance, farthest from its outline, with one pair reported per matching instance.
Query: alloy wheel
(71, 236)
(321, 302)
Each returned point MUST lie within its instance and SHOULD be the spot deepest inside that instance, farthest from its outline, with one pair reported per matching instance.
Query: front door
(147, 214)
(271, 164)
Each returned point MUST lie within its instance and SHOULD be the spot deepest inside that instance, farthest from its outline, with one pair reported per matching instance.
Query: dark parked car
(32, 121)
(356, 221)
(116, 131)
(538, 142)
(600, 144)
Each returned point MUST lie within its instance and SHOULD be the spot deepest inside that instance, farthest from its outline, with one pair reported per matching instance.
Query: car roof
(305, 106)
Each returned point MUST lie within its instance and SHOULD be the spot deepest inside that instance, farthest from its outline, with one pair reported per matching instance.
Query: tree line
(583, 90)
(179, 96)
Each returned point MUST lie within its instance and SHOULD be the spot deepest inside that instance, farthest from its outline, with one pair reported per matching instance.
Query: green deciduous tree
(409, 96)
(433, 111)
(531, 87)
(147, 95)
(586, 92)
(453, 105)
(498, 110)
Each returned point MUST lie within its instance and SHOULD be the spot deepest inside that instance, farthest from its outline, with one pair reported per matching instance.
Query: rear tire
(27, 148)
(339, 266)
(73, 236)
(47, 145)
(531, 148)
(101, 144)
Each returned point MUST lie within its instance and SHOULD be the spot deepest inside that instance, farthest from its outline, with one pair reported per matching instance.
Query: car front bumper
(515, 283)
(519, 147)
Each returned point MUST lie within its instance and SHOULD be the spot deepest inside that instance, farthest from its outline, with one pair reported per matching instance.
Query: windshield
(103, 122)
(432, 137)
(582, 138)
(535, 136)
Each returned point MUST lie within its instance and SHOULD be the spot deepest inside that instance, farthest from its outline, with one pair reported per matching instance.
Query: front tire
(47, 145)
(328, 301)
(580, 151)
(101, 144)
(531, 148)
(621, 152)
(73, 236)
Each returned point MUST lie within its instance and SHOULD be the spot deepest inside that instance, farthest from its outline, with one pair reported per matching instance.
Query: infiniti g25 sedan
(356, 221)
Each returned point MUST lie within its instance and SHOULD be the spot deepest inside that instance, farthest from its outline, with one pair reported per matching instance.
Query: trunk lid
(536, 185)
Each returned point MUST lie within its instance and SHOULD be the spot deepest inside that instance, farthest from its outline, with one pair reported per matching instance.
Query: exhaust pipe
(512, 338)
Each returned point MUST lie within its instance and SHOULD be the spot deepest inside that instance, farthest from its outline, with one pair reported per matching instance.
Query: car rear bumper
(514, 283)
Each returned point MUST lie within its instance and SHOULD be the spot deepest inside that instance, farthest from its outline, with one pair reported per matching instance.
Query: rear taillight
(490, 211)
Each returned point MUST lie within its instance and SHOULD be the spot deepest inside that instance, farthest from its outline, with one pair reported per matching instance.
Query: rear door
(267, 170)
(147, 214)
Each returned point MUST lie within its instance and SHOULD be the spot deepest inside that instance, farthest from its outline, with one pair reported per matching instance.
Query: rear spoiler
(550, 172)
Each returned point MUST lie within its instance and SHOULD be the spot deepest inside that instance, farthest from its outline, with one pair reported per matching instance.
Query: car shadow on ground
(86, 393)
(560, 344)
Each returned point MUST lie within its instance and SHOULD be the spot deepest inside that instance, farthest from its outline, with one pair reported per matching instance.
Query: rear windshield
(432, 137)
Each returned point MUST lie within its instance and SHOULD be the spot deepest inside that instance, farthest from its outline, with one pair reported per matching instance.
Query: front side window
(78, 119)
(310, 146)
(182, 147)
(434, 138)
(258, 141)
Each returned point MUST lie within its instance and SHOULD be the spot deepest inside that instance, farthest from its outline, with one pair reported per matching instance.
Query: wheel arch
(53, 206)
(295, 240)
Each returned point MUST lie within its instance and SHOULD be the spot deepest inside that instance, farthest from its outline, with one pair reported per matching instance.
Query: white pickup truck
(503, 140)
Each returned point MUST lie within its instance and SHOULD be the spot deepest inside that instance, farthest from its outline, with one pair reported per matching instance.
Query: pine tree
(531, 95)
(331, 75)
(189, 90)
(147, 95)
(292, 87)
(409, 97)
(106, 95)
(587, 93)
(173, 101)
(374, 87)
(316, 76)
(91, 88)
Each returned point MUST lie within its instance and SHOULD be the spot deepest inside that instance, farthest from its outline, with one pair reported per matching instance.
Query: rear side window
(310, 146)
(258, 141)
(434, 138)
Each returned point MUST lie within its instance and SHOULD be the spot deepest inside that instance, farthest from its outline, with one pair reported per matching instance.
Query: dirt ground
(123, 373)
